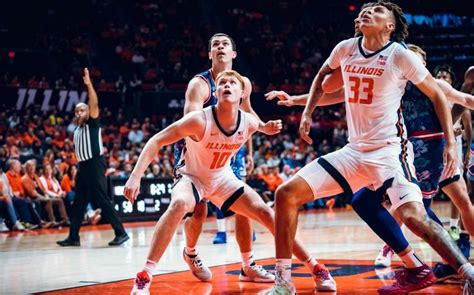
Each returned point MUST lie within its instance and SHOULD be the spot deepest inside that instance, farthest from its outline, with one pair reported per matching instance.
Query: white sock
(150, 266)
(221, 225)
(247, 258)
(283, 270)
(453, 222)
(411, 260)
(190, 251)
(466, 271)
(310, 263)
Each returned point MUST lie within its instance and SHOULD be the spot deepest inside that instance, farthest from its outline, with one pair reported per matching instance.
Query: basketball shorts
(388, 168)
(428, 155)
(222, 191)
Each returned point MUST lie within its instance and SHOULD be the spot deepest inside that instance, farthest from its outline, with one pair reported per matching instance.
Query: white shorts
(222, 191)
(348, 170)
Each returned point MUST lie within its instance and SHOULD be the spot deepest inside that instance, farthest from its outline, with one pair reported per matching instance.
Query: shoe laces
(197, 262)
(322, 273)
(141, 280)
(386, 250)
(400, 276)
(258, 268)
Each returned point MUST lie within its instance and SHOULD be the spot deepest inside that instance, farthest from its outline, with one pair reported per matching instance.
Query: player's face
(221, 50)
(82, 113)
(229, 89)
(376, 18)
(356, 27)
(442, 75)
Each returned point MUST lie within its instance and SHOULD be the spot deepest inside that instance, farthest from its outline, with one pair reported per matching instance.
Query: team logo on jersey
(240, 135)
(382, 60)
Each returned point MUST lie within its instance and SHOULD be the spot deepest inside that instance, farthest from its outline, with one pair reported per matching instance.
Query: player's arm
(332, 87)
(93, 99)
(195, 95)
(431, 89)
(315, 94)
(456, 96)
(270, 128)
(467, 124)
(316, 91)
(191, 125)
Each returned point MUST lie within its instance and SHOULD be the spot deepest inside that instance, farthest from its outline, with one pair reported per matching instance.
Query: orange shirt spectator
(29, 185)
(66, 184)
(15, 183)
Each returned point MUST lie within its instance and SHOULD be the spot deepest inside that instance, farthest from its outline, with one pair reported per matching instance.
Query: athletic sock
(190, 251)
(150, 267)
(453, 222)
(283, 270)
(411, 260)
(310, 263)
(221, 225)
(466, 271)
(247, 259)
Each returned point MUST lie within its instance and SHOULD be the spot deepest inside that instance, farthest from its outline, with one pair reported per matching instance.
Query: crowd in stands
(159, 45)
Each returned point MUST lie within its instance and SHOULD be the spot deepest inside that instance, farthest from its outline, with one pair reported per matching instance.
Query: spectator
(155, 171)
(28, 209)
(7, 210)
(34, 191)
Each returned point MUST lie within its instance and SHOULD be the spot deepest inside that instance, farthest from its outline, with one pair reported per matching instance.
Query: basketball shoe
(444, 272)
(384, 258)
(142, 283)
(409, 280)
(323, 279)
(283, 288)
(255, 273)
(199, 270)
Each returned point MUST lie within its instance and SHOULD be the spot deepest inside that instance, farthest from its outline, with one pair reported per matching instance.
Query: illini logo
(382, 60)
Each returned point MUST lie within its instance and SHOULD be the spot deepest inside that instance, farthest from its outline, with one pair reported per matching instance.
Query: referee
(90, 180)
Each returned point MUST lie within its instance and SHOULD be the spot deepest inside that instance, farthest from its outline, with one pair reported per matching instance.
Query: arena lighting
(11, 54)
(351, 7)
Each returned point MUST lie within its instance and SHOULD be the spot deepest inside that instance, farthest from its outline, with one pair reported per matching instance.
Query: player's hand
(250, 164)
(132, 188)
(283, 98)
(450, 160)
(272, 127)
(305, 127)
(86, 77)
(458, 131)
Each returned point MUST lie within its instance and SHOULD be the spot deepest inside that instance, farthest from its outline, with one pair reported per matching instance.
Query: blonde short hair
(417, 49)
(231, 73)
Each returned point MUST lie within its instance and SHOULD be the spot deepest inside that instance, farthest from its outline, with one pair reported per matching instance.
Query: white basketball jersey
(210, 157)
(374, 84)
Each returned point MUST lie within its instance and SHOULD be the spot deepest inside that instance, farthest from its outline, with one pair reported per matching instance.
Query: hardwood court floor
(32, 263)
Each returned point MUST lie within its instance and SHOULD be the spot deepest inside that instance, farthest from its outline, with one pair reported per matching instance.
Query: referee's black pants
(92, 183)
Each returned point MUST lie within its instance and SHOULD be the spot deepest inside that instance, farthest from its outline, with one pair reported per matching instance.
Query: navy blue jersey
(419, 112)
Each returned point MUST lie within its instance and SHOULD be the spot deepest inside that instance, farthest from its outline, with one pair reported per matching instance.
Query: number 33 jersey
(374, 83)
(210, 157)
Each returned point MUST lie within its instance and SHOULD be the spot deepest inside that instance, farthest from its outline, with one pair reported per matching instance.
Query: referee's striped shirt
(88, 140)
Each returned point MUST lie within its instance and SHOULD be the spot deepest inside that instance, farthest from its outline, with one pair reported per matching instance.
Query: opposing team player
(375, 72)
(213, 136)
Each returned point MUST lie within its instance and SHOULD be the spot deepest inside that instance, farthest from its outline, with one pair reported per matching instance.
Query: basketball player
(212, 136)
(199, 94)
(375, 71)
